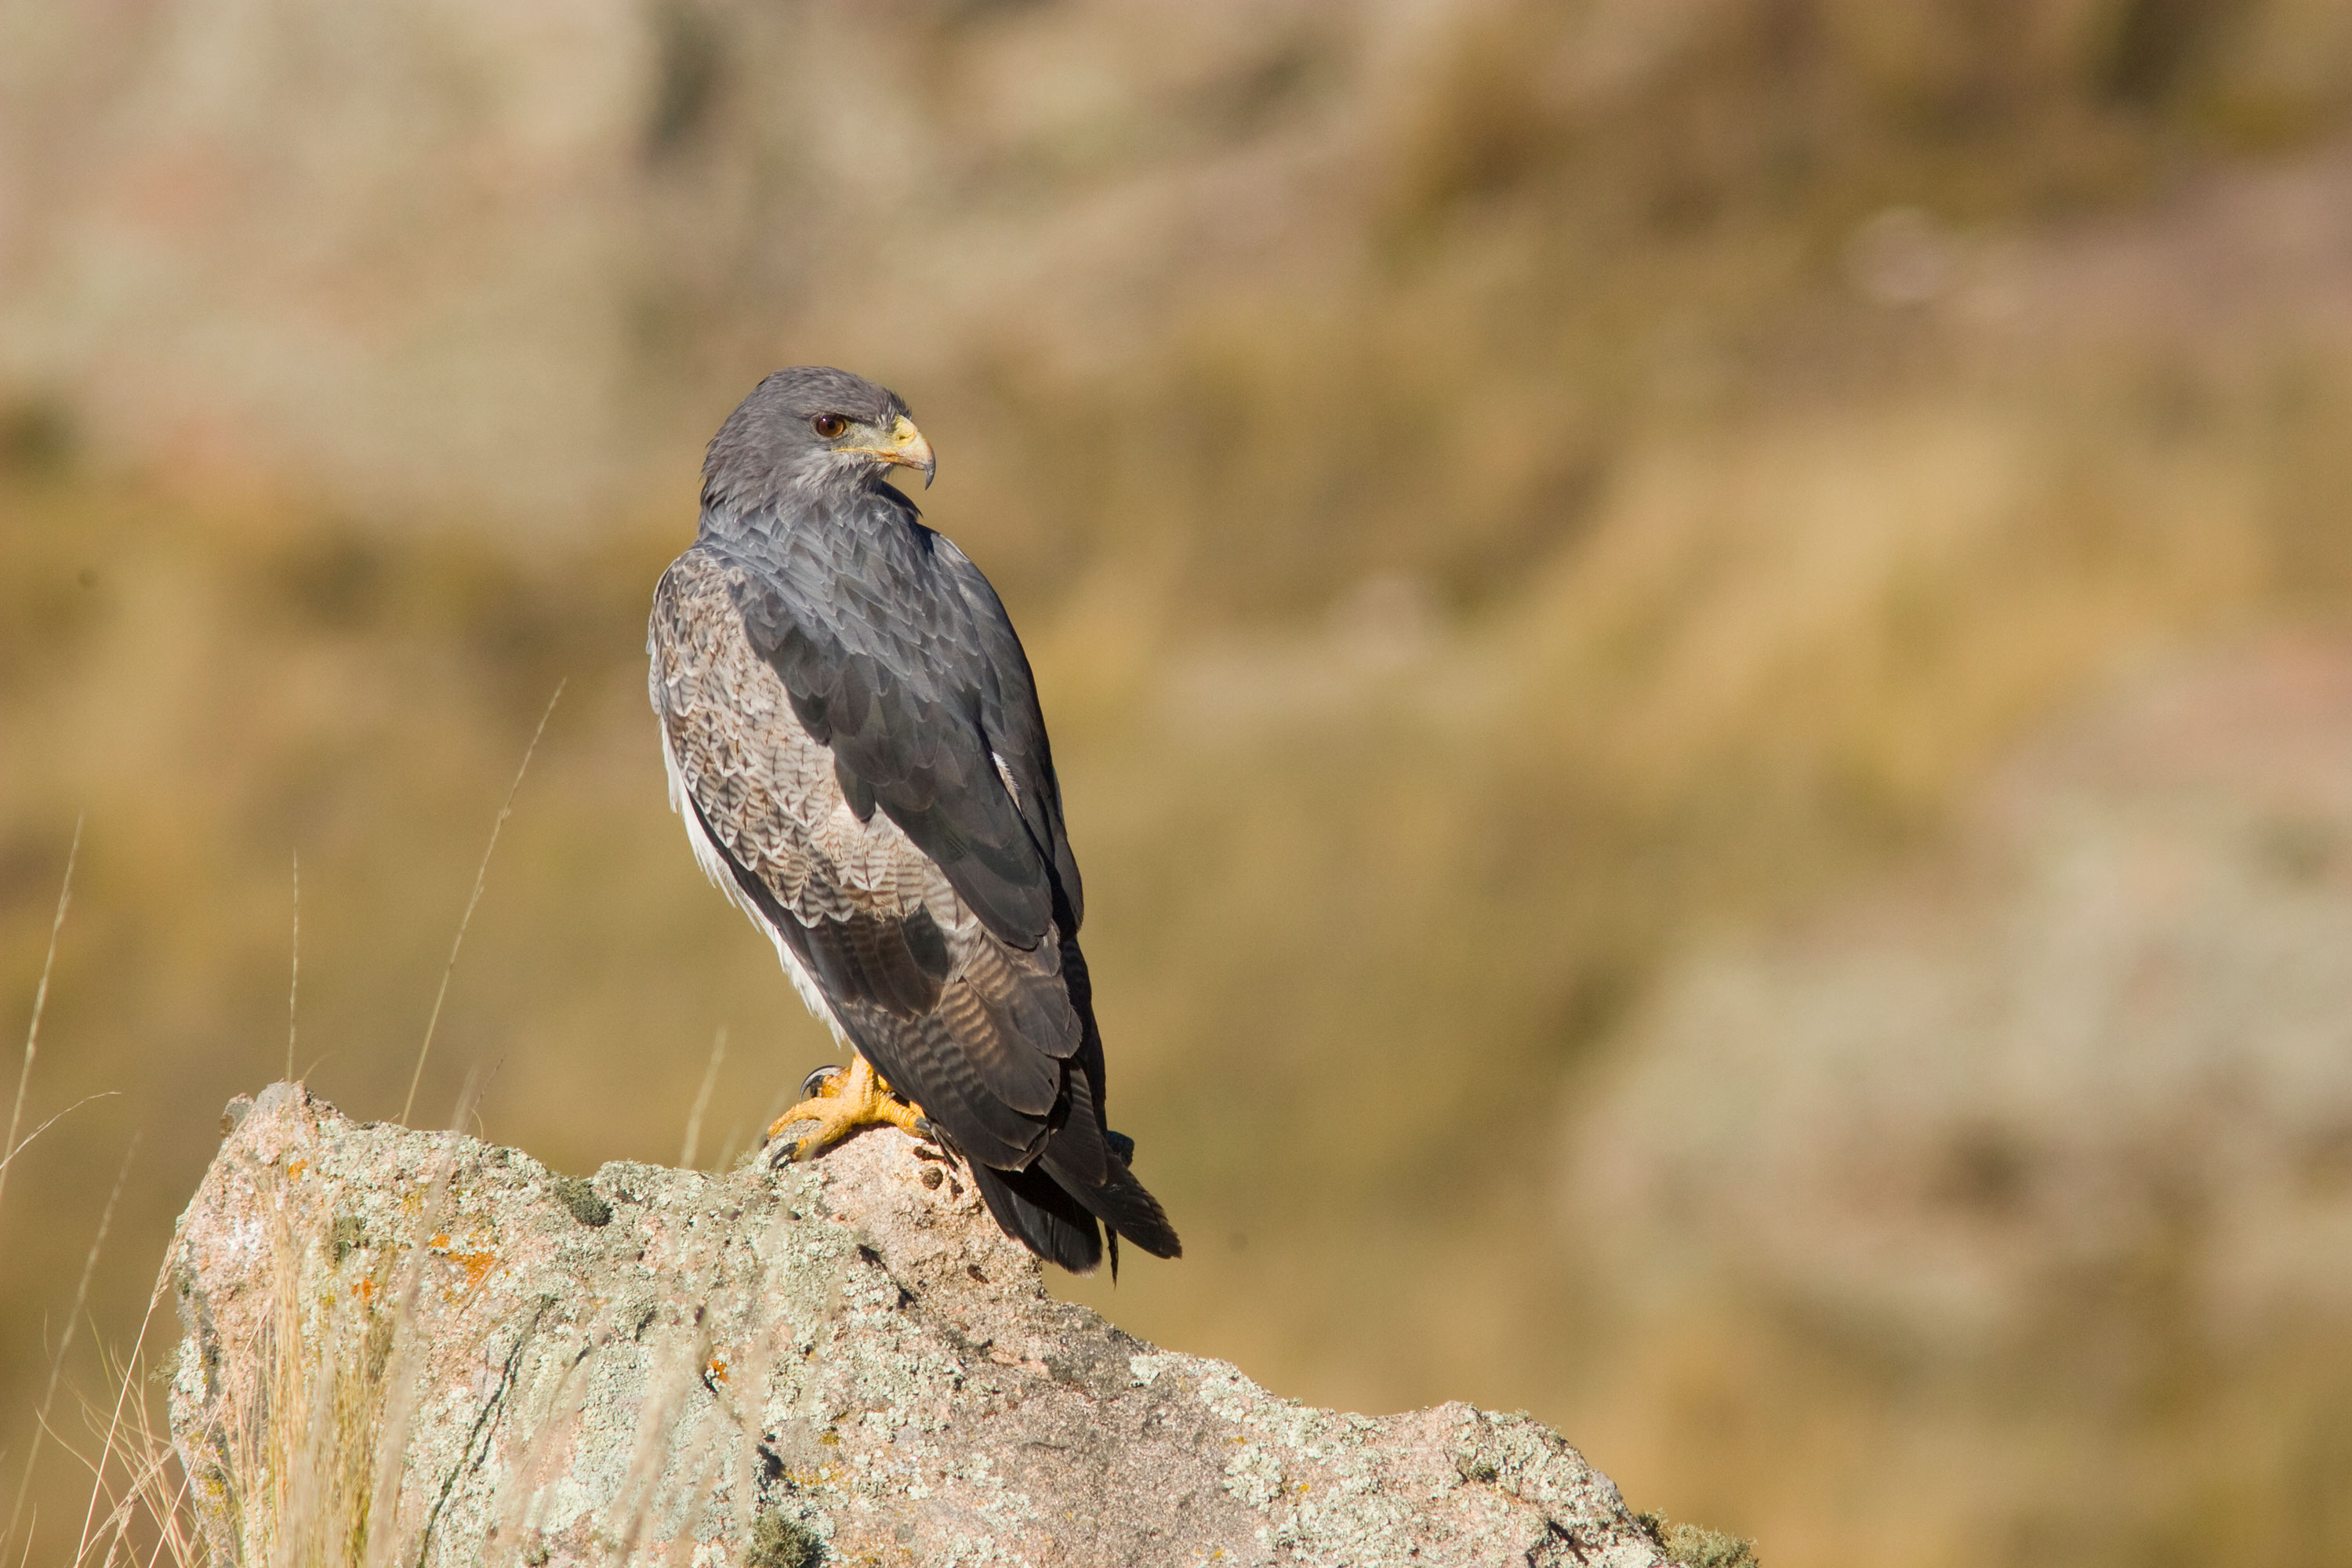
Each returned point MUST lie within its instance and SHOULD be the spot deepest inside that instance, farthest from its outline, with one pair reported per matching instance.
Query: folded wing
(899, 838)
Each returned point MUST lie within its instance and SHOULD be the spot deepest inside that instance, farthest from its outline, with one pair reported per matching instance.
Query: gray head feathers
(809, 427)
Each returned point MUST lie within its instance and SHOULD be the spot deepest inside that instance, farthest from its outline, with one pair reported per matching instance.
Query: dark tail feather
(1038, 1213)
(1122, 1203)
(1081, 1156)
(1055, 1218)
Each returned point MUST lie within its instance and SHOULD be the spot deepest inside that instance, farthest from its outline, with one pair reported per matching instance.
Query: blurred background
(1701, 652)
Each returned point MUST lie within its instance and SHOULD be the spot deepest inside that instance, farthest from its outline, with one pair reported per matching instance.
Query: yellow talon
(847, 1102)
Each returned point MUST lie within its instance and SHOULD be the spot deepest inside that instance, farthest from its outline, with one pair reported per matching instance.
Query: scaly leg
(842, 1104)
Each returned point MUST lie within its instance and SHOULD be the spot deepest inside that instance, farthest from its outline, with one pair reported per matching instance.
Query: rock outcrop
(415, 1348)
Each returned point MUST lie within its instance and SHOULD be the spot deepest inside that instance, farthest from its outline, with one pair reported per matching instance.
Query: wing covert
(915, 681)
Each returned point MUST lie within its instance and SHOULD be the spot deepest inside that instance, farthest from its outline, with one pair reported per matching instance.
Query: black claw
(816, 1081)
(930, 1130)
(782, 1152)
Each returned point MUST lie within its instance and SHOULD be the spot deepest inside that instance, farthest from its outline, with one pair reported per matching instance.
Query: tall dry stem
(481, 876)
(65, 1342)
(702, 1100)
(40, 1003)
(294, 981)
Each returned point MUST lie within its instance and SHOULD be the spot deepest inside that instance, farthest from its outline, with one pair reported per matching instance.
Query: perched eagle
(855, 743)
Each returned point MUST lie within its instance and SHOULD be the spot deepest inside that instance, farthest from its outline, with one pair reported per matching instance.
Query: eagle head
(812, 427)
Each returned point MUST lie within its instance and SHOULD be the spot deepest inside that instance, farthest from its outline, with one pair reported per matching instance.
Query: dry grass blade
(294, 982)
(303, 1453)
(40, 1001)
(403, 1369)
(294, 1448)
(52, 1122)
(641, 1491)
(126, 1381)
(325, 1408)
(150, 1491)
(702, 1100)
(558, 1425)
(66, 1338)
(481, 876)
(399, 1358)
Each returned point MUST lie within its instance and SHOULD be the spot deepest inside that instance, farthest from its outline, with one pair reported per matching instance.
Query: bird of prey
(854, 742)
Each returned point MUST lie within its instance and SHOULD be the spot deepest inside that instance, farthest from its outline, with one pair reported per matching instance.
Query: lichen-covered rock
(414, 1348)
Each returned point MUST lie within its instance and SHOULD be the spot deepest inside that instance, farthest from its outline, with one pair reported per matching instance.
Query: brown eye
(828, 424)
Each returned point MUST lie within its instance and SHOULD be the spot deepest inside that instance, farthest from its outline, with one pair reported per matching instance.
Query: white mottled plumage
(731, 737)
(707, 855)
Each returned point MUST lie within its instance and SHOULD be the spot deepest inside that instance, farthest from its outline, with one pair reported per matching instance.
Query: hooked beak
(905, 445)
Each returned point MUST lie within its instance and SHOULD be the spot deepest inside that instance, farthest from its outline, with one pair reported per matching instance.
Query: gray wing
(1014, 725)
(898, 658)
(975, 1027)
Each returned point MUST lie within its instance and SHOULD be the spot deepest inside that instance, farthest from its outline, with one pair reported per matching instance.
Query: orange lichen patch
(365, 1289)
(294, 1171)
(718, 1369)
(476, 1263)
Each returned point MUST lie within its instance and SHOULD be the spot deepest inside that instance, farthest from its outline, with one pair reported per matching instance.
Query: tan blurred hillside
(1503, 500)
(2035, 1162)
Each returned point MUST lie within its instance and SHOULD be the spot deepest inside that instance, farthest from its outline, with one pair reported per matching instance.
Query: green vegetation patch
(1695, 1546)
(575, 1193)
(781, 1542)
